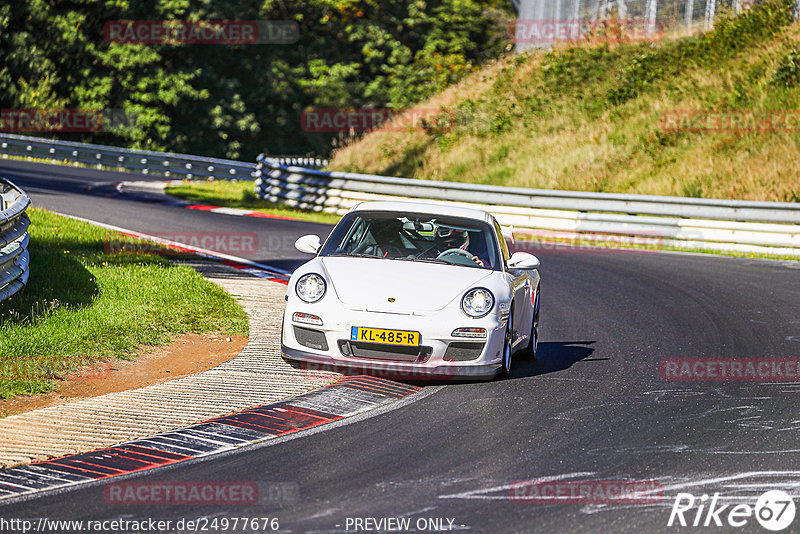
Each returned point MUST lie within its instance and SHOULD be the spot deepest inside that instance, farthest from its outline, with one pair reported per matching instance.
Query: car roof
(447, 210)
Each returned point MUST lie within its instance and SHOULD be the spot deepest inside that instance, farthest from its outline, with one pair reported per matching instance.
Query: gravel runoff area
(257, 376)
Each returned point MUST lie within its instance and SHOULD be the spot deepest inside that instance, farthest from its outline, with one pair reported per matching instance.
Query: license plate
(385, 337)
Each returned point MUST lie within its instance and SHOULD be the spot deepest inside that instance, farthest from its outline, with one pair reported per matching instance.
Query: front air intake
(462, 351)
(377, 351)
(312, 339)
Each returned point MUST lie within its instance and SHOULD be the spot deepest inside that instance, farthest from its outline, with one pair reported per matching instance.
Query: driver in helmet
(450, 238)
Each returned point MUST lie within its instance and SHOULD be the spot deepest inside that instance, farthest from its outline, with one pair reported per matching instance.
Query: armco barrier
(147, 162)
(725, 225)
(14, 223)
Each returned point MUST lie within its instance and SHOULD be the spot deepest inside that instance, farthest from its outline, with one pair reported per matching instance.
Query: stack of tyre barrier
(14, 223)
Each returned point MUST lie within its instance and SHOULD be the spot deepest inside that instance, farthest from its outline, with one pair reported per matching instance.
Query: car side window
(354, 236)
(503, 244)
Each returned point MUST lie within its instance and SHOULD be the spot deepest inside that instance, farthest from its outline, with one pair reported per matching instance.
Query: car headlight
(310, 287)
(477, 302)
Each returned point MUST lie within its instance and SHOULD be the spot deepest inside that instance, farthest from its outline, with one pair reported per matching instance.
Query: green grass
(84, 303)
(589, 118)
(241, 194)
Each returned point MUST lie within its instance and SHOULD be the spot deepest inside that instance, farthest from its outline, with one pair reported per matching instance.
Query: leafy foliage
(236, 100)
(787, 74)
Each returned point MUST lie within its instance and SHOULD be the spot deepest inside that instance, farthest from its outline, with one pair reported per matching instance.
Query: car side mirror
(309, 244)
(523, 260)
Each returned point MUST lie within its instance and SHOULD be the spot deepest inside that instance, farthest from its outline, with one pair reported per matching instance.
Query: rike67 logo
(774, 510)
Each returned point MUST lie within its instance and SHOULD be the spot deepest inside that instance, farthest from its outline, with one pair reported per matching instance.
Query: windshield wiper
(442, 262)
(350, 255)
(425, 260)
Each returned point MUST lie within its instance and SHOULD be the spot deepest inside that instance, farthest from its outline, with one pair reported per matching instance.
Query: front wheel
(505, 363)
(533, 340)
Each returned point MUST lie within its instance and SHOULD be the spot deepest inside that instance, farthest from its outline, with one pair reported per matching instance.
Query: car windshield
(414, 237)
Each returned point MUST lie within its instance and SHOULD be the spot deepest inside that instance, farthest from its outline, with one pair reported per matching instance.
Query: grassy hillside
(589, 117)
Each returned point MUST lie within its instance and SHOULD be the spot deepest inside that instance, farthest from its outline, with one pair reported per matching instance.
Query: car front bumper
(392, 370)
(338, 352)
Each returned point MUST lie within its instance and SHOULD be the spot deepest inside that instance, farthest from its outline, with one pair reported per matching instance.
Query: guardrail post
(575, 15)
(622, 10)
(650, 16)
(711, 11)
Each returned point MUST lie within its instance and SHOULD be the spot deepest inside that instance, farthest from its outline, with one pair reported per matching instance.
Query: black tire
(505, 362)
(530, 350)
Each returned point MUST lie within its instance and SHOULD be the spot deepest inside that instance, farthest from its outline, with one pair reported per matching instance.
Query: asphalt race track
(92, 194)
(593, 407)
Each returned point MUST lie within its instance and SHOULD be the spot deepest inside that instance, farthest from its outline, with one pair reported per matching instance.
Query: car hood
(416, 287)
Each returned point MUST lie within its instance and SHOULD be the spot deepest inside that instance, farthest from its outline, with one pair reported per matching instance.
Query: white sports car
(414, 290)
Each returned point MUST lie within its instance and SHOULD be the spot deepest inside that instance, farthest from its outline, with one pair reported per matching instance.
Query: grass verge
(240, 194)
(84, 304)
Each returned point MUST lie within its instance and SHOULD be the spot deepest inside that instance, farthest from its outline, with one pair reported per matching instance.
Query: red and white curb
(155, 191)
(348, 397)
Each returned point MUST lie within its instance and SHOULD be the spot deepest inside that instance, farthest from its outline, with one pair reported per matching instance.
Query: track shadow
(57, 280)
(553, 356)
(59, 270)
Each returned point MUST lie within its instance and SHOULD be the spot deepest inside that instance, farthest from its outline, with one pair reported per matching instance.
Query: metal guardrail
(166, 164)
(14, 255)
(730, 225)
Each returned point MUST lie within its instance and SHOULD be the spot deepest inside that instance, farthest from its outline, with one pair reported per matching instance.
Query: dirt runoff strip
(257, 376)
